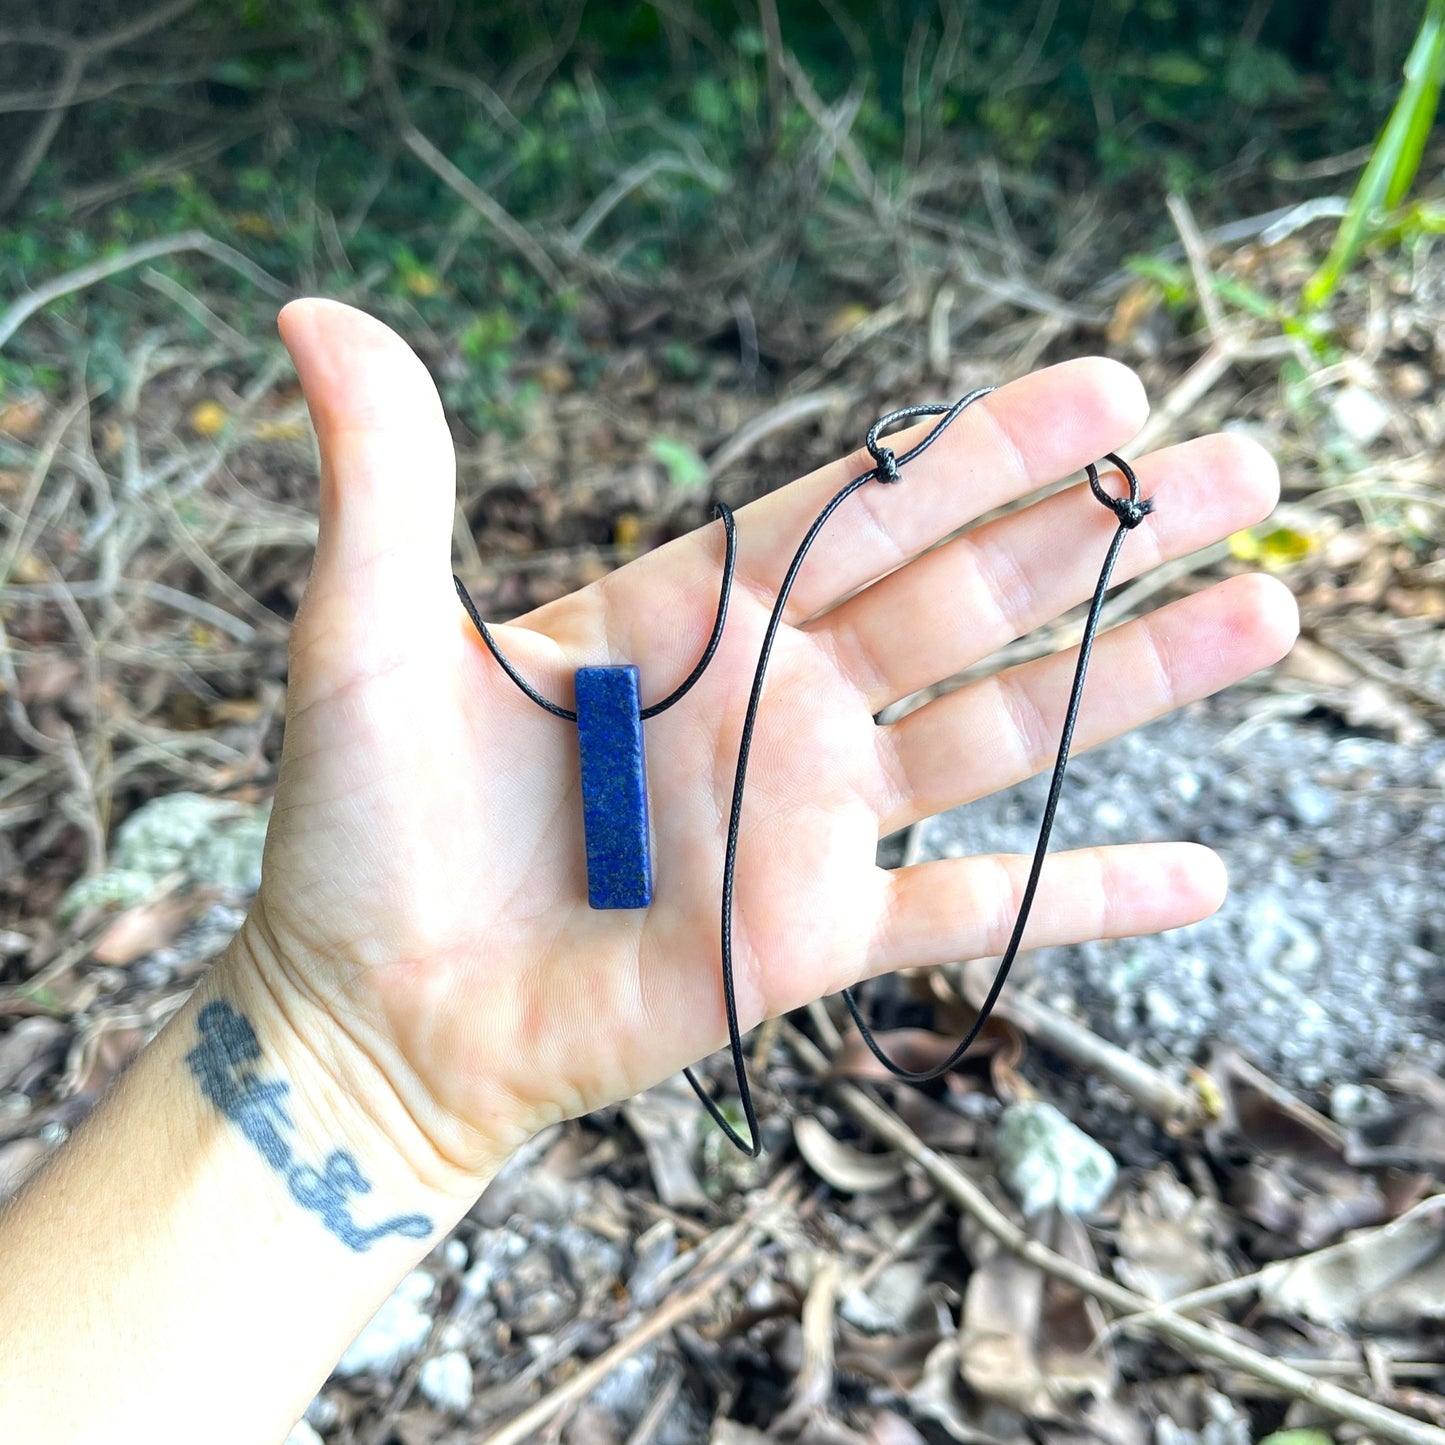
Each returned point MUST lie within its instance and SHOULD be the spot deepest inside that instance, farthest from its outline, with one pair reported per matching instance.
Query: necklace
(614, 789)
(609, 718)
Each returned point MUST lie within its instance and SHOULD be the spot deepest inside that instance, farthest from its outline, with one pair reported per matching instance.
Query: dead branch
(502, 222)
(20, 311)
(79, 54)
(1178, 1108)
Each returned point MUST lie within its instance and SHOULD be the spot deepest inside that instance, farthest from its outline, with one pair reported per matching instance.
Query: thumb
(381, 579)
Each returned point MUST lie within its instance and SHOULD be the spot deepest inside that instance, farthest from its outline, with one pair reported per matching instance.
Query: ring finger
(994, 733)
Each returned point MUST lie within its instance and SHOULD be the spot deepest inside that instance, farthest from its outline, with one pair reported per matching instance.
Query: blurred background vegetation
(482, 169)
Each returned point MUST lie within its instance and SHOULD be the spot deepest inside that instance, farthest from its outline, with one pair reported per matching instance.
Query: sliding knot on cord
(1130, 513)
(887, 461)
(1130, 510)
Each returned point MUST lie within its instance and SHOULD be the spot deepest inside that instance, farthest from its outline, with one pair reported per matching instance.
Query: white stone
(446, 1381)
(1359, 414)
(303, 1434)
(395, 1333)
(1044, 1160)
(323, 1413)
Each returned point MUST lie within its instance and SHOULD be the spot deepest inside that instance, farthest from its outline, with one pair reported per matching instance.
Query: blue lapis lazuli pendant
(614, 788)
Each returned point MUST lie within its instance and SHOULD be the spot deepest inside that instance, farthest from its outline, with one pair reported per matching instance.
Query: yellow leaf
(845, 319)
(421, 283)
(1244, 547)
(253, 223)
(208, 418)
(1283, 547)
(1278, 549)
(627, 531)
(1211, 1096)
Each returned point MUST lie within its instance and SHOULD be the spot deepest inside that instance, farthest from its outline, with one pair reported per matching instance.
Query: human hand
(422, 914)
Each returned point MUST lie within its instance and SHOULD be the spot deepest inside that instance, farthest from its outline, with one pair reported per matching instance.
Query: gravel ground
(1323, 963)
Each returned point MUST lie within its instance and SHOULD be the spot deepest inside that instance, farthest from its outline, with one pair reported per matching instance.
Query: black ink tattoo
(220, 1063)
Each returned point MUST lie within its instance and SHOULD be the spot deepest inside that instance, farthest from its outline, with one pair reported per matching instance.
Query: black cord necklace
(609, 723)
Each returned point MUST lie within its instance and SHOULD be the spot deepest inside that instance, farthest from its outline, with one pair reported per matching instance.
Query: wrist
(318, 1105)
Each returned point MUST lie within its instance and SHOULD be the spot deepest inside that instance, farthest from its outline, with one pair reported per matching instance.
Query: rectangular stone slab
(614, 788)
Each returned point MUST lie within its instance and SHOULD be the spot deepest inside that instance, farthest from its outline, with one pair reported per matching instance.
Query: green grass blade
(1396, 157)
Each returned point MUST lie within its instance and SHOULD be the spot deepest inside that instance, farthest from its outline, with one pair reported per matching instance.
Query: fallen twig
(1177, 1107)
(791, 411)
(1194, 250)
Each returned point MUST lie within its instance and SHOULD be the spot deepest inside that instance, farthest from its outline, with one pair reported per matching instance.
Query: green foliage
(685, 469)
(312, 185)
(1395, 159)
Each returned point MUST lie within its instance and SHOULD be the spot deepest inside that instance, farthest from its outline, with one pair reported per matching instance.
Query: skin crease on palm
(422, 918)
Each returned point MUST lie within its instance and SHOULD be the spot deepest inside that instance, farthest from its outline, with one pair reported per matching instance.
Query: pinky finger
(961, 908)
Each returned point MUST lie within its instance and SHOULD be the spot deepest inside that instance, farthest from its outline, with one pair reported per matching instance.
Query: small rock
(1359, 414)
(454, 1252)
(395, 1333)
(1352, 1105)
(494, 1250)
(626, 1390)
(446, 1381)
(1044, 1160)
(323, 1413)
(1162, 1007)
(1410, 381)
(154, 972)
(591, 1259)
(303, 1434)
(1312, 805)
(1110, 816)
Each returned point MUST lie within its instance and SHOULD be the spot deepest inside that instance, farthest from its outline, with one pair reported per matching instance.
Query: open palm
(424, 881)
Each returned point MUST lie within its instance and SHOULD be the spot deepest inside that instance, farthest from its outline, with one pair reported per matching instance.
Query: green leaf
(1298, 1437)
(1174, 67)
(686, 469)
(1255, 75)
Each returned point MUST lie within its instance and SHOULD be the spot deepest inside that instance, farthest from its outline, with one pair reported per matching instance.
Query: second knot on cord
(1129, 512)
(1131, 508)
(886, 461)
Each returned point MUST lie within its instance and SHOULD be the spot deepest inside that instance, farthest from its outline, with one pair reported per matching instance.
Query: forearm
(230, 1212)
